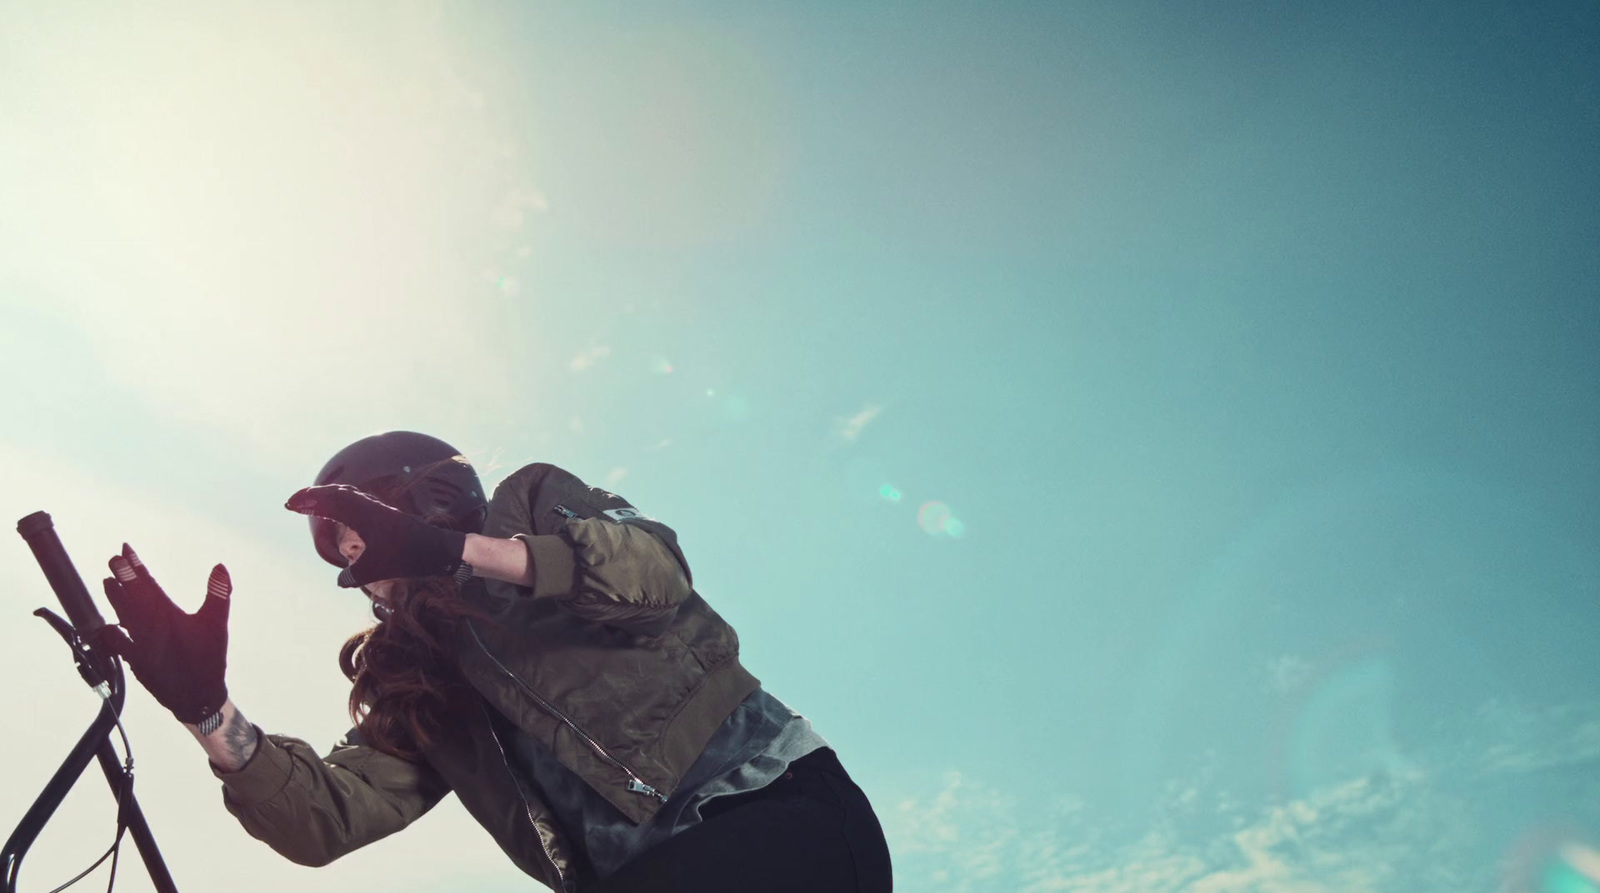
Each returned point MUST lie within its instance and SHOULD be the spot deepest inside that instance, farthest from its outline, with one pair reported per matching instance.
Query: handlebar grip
(40, 532)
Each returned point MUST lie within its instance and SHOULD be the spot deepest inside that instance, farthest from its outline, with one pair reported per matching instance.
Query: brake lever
(88, 660)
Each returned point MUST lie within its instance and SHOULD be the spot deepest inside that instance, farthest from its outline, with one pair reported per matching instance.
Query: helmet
(415, 473)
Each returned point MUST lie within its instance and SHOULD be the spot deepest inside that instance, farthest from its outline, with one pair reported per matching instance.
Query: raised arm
(613, 571)
(602, 561)
(500, 559)
(311, 809)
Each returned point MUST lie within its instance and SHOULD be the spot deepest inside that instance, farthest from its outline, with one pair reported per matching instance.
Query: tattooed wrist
(231, 743)
(239, 738)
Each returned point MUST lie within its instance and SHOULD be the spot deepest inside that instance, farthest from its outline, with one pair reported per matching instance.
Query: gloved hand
(397, 544)
(180, 658)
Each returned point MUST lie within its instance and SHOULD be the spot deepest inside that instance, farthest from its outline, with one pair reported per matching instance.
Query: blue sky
(1251, 349)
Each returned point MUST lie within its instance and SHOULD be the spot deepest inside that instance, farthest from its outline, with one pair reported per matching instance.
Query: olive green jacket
(610, 659)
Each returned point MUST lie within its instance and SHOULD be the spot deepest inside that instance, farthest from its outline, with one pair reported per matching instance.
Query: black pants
(810, 831)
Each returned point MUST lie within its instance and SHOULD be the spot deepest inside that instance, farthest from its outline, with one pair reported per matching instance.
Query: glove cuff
(197, 712)
(211, 723)
(447, 561)
(454, 544)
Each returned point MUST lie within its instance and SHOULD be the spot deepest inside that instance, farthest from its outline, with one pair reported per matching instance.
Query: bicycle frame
(101, 672)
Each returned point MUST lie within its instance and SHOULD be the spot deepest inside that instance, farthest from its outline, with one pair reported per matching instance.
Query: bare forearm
(499, 559)
(232, 744)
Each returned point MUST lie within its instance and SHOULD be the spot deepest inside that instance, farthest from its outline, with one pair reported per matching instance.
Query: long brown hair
(403, 671)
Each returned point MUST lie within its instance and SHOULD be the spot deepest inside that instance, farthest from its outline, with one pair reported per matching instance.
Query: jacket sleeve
(312, 810)
(602, 561)
(618, 573)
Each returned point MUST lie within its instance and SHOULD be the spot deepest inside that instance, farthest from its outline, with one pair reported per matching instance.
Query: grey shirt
(751, 748)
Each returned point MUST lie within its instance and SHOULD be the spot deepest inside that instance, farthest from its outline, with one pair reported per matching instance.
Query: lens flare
(1554, 857)
(1343, 726)
(931, 517)
(1560, 877)
(1575, 870)
(936, 519)
(1586, 860)
(888, 491)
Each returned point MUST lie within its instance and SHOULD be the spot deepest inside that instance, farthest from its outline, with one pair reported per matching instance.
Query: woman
(543, 654)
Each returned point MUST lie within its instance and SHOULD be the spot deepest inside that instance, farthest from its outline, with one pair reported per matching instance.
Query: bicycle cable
(122, 796)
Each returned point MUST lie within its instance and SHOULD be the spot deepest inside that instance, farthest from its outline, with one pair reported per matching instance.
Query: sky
(1155, 444)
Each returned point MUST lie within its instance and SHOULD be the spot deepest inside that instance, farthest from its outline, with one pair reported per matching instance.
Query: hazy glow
(254, 207)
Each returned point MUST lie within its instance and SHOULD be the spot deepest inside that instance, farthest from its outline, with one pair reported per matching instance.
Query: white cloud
(514, 205)
(589, 357)
(1384, 832)
(1287, 673)
(615, 476)
(1269, 869)
(1150, 864)
(966, 834)
(503, 282)
(1528, 738)
(850, 427)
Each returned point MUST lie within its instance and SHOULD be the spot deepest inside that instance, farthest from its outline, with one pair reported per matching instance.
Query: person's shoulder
(530, 477)
(534, 469)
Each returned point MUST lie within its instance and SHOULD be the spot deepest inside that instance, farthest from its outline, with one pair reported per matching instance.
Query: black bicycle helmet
(388, 466)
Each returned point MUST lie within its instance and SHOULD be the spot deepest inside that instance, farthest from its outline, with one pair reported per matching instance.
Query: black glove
(180, 658)
(397, 544)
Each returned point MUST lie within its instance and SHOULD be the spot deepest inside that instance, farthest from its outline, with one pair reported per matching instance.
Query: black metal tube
(137, 826)
(54, 792)
(40, 532)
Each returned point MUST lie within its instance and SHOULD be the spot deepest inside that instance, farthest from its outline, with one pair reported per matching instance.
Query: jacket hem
(724, 689)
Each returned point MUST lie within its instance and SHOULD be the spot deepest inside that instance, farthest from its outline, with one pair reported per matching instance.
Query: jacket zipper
(635, 783)
(526, 807)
